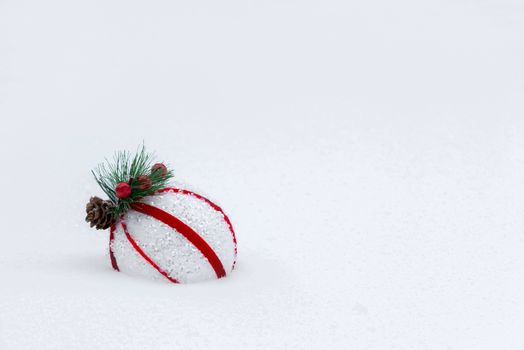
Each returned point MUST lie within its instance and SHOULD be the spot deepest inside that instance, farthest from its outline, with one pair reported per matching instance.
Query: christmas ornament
(156, 230)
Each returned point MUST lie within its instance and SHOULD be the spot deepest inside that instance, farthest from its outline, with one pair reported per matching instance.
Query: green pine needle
(127, 168)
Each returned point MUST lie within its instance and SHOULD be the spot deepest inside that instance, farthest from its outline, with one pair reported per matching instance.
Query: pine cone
(100, 213)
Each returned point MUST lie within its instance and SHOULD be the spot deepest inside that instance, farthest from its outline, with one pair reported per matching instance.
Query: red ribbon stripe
(185, 231)
(213, 205)
(144, 255)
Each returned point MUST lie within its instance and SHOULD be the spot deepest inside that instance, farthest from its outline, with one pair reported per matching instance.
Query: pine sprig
(125, 167)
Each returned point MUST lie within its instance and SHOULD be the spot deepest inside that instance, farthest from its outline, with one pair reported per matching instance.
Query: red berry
(144, 182)
(123, 190)
(159, 167)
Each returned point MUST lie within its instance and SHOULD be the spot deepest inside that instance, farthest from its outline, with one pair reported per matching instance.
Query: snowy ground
(369, 154)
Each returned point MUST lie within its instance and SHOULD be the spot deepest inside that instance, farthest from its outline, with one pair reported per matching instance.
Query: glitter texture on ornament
(169, 249)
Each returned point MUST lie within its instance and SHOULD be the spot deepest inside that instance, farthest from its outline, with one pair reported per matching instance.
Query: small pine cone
(100, 213)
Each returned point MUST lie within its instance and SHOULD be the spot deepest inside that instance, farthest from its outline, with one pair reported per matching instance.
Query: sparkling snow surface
(170, 250)
(370, 155)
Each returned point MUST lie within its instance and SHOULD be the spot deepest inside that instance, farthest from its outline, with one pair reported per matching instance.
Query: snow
(369, 155)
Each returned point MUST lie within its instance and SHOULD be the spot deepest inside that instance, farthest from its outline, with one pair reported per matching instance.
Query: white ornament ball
(175, 235)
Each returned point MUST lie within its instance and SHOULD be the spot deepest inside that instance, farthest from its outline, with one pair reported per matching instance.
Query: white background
(370, 155)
